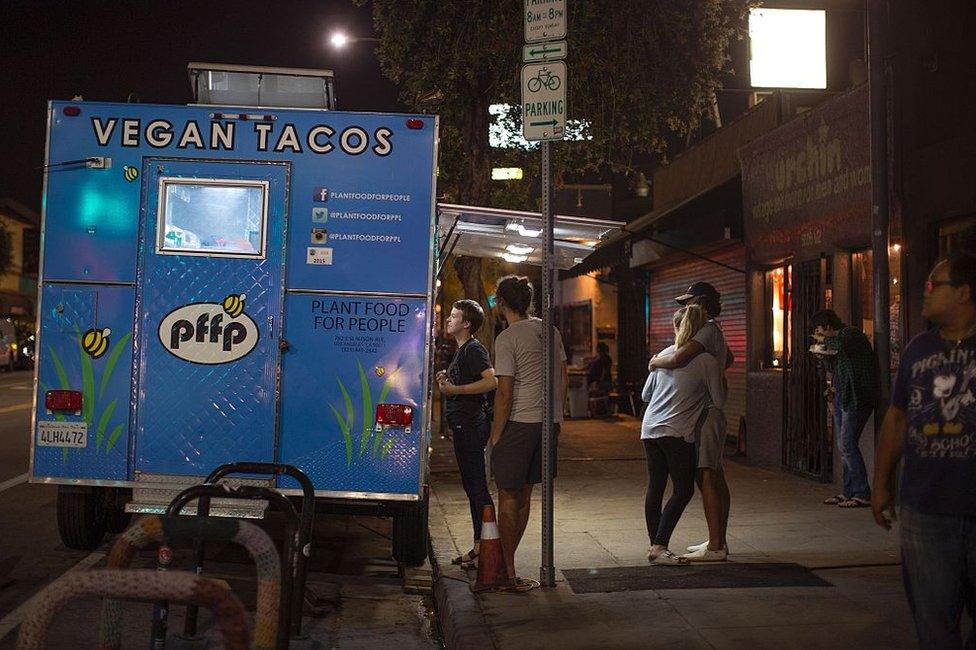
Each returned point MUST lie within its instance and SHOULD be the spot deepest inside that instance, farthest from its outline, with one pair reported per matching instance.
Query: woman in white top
(675, 400)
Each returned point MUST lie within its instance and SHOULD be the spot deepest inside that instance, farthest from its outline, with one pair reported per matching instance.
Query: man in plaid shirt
(855, 380)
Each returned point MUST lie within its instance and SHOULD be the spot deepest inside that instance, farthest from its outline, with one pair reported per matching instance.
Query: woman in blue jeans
(466, 382)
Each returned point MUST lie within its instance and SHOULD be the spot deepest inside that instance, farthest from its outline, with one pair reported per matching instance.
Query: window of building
(777, 309)
(575, 324)
(212, 217)
(957, 235)
(862, 297)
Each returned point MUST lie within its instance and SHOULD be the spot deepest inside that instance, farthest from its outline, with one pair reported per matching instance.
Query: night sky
(106, 50)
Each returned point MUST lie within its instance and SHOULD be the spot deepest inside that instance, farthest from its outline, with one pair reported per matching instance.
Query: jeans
(939, 569)
(470, 437)
(667, 457)
(848, 426)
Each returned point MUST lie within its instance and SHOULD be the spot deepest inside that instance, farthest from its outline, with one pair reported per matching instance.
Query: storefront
(807, 219)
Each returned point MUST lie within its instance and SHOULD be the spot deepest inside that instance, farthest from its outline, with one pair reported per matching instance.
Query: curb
(459, 614)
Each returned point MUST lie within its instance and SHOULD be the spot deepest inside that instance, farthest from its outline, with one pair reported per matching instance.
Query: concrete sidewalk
(599, 523)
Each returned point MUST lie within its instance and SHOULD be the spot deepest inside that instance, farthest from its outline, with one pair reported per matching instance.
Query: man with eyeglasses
(932, 425)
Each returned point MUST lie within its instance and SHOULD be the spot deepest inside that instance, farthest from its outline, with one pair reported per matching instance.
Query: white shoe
(698, 547)
(705, 555)
(667, 558)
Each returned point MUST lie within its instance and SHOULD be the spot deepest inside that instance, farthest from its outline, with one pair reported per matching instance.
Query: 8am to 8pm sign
(544, 101)
(545, 20)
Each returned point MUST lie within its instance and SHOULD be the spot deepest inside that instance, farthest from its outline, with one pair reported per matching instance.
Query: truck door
(209, 305)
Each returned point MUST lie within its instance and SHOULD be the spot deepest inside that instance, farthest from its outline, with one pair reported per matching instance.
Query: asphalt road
(359, 591)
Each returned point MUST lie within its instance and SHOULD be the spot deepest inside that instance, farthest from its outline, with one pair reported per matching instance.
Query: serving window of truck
(230, 283)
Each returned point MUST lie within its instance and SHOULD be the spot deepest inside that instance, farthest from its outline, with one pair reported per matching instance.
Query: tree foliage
(638, 70)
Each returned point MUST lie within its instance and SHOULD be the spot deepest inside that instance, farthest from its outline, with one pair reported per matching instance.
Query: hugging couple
(683, 429)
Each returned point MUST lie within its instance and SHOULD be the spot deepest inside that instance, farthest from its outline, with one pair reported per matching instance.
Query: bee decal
(234, 305)
(95, 342)
(130, 173)
(380, 371)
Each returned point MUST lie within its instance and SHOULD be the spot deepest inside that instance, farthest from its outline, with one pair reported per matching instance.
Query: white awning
(516, 236)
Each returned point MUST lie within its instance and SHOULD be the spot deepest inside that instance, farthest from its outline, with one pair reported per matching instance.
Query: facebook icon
(320, 195)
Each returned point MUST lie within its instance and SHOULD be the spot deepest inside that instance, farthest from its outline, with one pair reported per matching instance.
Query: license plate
(62, 434)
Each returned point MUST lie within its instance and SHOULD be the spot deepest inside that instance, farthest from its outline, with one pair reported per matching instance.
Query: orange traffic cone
(491, 562)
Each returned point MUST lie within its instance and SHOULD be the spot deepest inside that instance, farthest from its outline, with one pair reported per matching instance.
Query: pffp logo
(320, 195)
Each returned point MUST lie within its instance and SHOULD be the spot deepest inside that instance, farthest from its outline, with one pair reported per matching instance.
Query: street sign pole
(544, 83)
(550, 392)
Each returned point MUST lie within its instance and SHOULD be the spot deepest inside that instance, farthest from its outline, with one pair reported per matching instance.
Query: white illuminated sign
(788, 48)
(506, 173)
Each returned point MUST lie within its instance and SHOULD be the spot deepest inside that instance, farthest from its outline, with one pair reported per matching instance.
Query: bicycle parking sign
(544, 101)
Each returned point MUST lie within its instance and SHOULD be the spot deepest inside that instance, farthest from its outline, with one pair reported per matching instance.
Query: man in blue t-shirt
(932, 424)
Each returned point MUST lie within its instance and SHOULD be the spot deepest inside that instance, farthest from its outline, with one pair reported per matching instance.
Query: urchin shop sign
(544, 101)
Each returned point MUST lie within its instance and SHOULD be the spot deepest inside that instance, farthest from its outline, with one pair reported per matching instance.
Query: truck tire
(81, 517)
(116, 518)
(410, 534)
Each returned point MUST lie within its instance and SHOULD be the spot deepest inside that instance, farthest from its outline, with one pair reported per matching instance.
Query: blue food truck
(228, 281)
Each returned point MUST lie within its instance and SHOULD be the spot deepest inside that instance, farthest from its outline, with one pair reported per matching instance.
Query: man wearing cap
(710, 432)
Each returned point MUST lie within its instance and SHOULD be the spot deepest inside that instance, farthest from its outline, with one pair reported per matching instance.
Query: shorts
(710, 438)
(516, 460)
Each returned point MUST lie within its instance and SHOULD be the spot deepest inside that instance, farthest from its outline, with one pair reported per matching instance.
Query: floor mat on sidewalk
(743, 575)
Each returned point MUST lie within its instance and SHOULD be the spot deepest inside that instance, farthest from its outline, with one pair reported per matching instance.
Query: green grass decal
(91, 400)
(110, 362)
(382, 443)
(113, 437)
(103, 423)
(345, 423)
(345, 433)
(367, 410)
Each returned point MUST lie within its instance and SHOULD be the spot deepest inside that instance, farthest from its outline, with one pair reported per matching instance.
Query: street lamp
(340, 39)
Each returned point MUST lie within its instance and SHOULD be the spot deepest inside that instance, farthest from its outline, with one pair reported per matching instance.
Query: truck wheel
(410, 534)
(116, 518)
(81, 517)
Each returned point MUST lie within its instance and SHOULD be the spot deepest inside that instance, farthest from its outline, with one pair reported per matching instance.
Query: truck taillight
(63, 400)
(415, 123)
(394, 415)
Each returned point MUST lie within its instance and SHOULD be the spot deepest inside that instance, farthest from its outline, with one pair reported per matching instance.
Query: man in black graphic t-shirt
(932, 425)
(466, 383)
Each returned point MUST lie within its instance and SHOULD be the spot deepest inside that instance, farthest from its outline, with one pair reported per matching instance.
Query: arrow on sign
(546, 123)
(544, 50)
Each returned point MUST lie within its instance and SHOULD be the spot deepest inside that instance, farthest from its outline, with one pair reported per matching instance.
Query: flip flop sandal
(855, 502)
(835, 500)
(467, 558)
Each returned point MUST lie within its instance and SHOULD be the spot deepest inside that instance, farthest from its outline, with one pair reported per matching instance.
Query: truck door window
(216, 218)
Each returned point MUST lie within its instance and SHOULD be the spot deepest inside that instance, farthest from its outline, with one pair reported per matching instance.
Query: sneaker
(705, 555)
(667, 558)
(698, 547)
